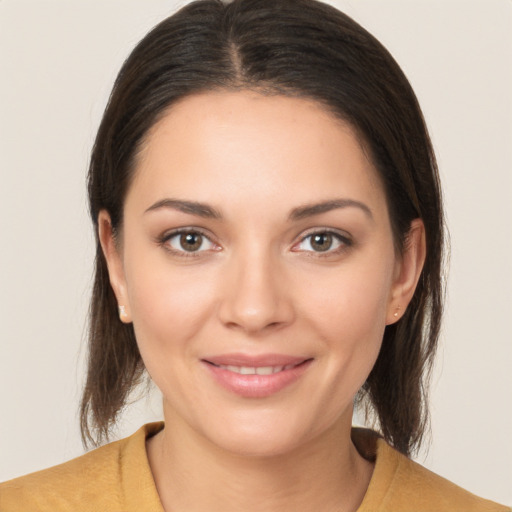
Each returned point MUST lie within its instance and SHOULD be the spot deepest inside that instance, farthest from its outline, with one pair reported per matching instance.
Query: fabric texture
(117, 478)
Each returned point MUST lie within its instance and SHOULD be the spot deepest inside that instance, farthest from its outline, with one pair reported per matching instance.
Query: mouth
(256, 377)
(256, 370)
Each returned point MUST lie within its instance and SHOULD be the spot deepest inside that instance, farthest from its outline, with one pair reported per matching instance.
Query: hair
(299, 48)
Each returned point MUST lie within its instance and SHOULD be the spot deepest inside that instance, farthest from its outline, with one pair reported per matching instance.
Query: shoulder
(88, 483)
(66, 485)
(400, 484)
(414, 483)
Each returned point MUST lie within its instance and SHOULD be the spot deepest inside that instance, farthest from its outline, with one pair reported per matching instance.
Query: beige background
(58, 60)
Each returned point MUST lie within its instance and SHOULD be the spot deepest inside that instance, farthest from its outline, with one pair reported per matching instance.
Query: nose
(256, 298)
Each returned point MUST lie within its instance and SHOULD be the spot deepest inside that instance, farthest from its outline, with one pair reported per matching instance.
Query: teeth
(260, 370)
(265, 370)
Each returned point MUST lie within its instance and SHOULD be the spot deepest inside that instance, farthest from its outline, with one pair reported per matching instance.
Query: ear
(407, 272)
(115, 266)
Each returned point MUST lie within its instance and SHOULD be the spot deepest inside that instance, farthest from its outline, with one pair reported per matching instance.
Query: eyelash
(166, 237)
(345, 242)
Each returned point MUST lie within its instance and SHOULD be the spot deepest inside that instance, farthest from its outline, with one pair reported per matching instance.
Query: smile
(256, 370)
(256, 377)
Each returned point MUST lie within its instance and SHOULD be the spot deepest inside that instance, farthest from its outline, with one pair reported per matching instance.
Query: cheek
(348, 313)
(351, 303)
(170, 308)
(169, 305)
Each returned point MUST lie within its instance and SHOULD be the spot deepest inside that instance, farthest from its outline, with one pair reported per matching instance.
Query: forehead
(223, 146)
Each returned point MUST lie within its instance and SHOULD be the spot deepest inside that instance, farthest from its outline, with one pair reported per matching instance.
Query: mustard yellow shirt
(117, 478)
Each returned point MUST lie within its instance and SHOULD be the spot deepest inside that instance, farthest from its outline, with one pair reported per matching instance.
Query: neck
(192, 474)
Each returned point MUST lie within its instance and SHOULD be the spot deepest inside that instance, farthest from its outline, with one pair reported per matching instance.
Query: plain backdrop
(58, 60)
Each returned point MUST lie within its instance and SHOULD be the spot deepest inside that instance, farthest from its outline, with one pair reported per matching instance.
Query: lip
(255, 385)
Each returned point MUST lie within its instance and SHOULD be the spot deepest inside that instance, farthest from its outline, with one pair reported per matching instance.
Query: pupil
(191, 241)
(322, 242)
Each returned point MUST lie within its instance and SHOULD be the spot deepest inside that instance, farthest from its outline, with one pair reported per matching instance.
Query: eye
(188, 242)
(322, 242)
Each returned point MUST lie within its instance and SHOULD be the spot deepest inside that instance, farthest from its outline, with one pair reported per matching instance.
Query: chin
(256, 434)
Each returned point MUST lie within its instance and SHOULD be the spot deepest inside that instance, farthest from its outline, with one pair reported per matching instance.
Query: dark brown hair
(300, 48)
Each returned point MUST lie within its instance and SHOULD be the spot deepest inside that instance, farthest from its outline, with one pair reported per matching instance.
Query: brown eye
(188, 242)
(191, 242)
(321, 242)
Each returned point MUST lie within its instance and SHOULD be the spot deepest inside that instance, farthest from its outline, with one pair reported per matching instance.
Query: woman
(269, 234)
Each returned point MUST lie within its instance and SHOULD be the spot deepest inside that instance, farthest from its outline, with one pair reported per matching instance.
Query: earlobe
(114, 264)
(408, 271)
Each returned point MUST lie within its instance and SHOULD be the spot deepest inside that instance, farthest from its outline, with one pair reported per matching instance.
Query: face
(258, 267)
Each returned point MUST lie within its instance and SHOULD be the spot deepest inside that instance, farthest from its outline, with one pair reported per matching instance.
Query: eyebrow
(191, 207)
(301, 212)
(310, 210)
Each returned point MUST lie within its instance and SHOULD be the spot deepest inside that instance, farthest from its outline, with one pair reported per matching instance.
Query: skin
(258, 285)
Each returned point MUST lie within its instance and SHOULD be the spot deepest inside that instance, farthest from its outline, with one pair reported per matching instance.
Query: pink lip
(256, 386)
